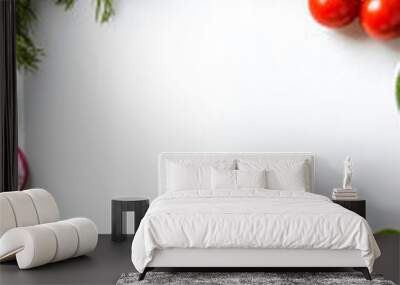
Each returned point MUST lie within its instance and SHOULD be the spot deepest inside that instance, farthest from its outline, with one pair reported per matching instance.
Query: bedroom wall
(186, 75)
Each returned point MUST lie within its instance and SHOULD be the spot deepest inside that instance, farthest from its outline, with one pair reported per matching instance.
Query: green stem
(385, 232)
(398, 89)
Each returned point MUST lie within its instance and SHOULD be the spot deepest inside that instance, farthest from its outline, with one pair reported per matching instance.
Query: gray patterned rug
(269, 278)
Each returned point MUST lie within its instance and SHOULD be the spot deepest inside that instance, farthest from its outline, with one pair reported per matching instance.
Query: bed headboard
(233, 156)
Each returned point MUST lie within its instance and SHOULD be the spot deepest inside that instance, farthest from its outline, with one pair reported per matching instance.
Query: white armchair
(31, 230)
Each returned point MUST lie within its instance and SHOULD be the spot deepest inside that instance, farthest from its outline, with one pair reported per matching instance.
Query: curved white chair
(32, 233)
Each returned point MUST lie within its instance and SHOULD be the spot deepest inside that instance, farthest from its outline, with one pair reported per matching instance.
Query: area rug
(269, 278)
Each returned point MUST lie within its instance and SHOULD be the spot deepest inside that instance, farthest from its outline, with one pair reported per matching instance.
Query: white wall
(187, 75)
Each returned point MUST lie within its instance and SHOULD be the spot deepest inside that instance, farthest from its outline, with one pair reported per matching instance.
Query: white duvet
(251, 218)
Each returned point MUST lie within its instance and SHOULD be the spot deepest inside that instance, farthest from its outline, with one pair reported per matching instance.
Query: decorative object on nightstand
(347, 174)
(119, 207)
(347, 196)
(346, 192)
(357, 206)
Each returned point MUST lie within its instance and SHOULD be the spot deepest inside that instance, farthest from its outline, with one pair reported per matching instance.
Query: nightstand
(119, 207)
(357, 206)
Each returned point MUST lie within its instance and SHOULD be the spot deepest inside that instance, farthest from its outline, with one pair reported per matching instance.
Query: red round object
(381, 18)
(334, 13)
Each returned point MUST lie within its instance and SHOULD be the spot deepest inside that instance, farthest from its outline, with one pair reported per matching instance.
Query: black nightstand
(357, 206)
(119, 207)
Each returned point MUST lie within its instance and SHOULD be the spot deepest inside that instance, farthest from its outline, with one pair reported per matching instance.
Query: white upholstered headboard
(221, 156)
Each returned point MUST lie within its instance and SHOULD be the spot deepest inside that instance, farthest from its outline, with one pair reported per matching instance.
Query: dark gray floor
(103, 266)
(111, 259)
(389, 262)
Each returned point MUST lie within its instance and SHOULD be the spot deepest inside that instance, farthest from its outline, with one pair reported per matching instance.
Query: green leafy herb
(104, 10)
(388, 232)
(27, 53)
(68, 4)
(398, 90)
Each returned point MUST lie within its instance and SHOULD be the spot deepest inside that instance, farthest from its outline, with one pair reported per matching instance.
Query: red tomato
(334, 13)
(381, 18)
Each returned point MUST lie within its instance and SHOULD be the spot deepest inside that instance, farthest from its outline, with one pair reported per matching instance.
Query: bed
(247, 210)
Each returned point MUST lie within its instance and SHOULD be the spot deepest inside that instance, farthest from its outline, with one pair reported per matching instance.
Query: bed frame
(236, 259)
(256, 260)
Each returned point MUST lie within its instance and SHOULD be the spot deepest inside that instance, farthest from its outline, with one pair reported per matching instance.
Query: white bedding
(250, 218)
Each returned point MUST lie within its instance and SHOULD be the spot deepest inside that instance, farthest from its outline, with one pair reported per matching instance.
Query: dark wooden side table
(357, 206)
(119, 207)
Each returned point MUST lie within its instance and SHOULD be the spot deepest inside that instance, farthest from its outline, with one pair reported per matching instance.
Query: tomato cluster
(379, 18)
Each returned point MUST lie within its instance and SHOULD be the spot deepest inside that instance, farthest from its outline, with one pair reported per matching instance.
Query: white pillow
(188, 177)
(288, 177)
(281, 174)
(251, 178)
(223, 179)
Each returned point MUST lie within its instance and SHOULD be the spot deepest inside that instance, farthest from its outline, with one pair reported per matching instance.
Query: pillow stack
(238, 174)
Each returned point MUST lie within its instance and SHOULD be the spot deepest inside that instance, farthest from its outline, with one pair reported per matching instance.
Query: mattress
(250, 219)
